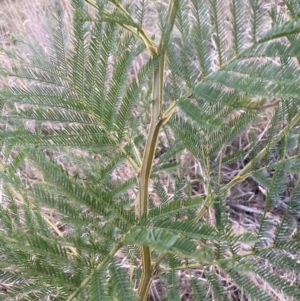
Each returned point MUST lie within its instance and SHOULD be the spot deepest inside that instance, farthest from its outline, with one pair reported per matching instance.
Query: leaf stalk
(246, 171)
(87, 280)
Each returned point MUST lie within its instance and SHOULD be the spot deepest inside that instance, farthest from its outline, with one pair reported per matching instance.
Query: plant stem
(137, 31)
(143, 181)
(87, 280)
(157, 121)
(246, 171)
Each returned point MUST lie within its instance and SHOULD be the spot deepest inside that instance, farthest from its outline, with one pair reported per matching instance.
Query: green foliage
(74, 118)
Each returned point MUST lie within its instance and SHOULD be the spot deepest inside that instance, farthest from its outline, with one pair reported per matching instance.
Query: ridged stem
(157, 121)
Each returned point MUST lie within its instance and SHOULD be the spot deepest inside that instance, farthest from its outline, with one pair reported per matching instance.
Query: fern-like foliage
(73, 135)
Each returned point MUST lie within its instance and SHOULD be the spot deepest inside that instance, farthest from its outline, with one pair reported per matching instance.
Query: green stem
(156, 123)
(143, 182)
(246, 171)
(87, 280)
(137, 31)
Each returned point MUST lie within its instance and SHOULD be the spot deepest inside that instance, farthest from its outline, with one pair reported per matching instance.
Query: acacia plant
(104, 96)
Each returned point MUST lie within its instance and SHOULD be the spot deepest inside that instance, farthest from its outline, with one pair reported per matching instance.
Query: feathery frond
(77, 168)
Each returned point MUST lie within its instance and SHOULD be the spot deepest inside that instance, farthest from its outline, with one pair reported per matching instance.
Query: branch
(137, 31)
(246, 171)
(87, 280)
(157, 121)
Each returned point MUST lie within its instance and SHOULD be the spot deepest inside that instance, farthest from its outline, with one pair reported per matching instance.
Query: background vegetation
(263, 203)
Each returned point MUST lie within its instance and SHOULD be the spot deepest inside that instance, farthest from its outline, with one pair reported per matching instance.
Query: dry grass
(246, 200)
